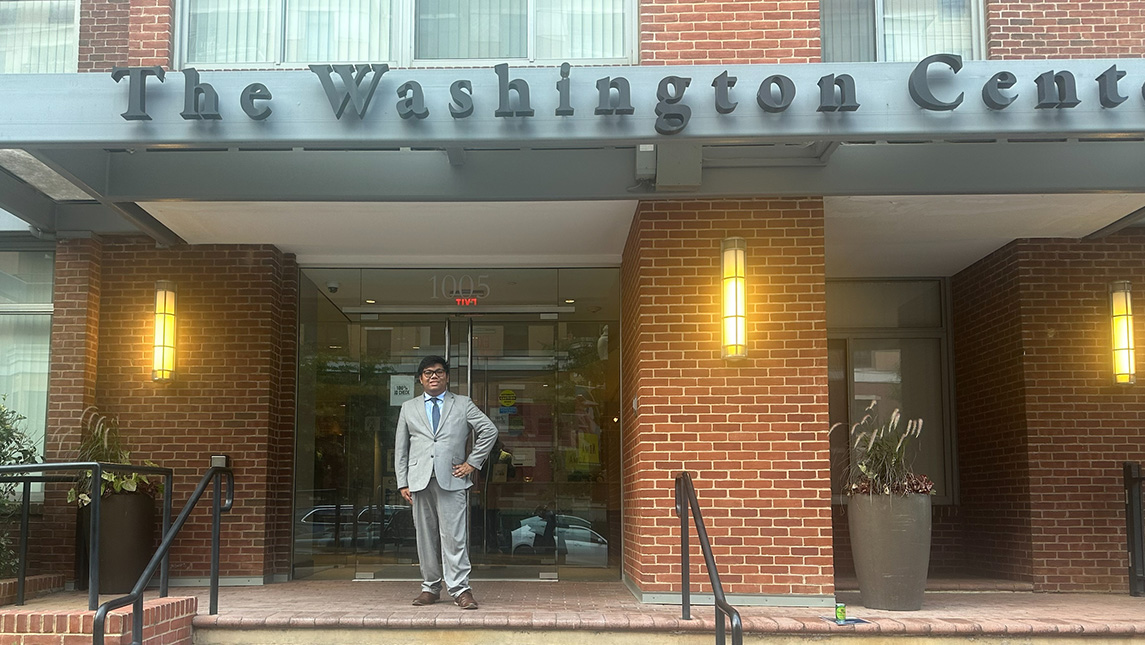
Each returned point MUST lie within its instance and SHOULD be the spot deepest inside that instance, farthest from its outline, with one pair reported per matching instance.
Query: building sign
(370, 104)
(401, 388)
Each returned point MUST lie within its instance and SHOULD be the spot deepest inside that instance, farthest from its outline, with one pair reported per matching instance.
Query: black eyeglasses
(431, 373)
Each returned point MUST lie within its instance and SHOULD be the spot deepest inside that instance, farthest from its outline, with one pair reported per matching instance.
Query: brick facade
(682, 32)
(752, 433)
(233, 393)
(1042, 432)
(104, 34)
(1065, 29)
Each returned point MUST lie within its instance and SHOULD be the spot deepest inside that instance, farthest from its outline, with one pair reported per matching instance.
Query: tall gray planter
(890, 542)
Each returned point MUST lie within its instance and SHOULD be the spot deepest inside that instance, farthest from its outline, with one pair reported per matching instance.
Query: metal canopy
(936, 127)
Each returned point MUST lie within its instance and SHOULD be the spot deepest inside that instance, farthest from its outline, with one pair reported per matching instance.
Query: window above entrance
(294, 33)
(39, 36)
(855, 31)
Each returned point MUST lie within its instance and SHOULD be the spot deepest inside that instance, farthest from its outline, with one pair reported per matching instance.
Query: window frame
(977, 25)
(22, 243)
(402, 36)
(73, 57)
(950, 485)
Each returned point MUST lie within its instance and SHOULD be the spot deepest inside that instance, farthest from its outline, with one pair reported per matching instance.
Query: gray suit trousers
(441, 519)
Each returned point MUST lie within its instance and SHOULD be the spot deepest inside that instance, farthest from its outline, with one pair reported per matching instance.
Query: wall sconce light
(163, 367)
(1121, 314)
(733, 269)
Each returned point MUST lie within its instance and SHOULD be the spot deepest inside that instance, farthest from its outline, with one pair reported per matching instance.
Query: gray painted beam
(87, 168)
(27, 203)
(609, 173)
(93, 217)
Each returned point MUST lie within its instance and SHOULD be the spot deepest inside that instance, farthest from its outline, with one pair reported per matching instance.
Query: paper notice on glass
(524, 456)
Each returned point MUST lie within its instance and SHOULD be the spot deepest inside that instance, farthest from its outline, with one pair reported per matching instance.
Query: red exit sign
(466, 302)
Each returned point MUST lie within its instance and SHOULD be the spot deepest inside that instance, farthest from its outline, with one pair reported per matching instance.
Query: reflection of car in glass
(575, 540)
(318, 527)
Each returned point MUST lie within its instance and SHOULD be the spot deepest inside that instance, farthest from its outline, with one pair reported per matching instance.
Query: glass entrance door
(547, 502)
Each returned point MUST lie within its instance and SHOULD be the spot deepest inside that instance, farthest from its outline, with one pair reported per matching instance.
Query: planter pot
(890, 542)
(126, 541)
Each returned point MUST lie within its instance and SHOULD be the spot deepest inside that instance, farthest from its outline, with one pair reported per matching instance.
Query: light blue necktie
(436, 414)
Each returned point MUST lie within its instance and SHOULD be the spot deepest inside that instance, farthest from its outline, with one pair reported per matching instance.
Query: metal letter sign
(569, 106)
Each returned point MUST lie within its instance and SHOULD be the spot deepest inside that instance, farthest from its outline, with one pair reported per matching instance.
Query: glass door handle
(469, 359)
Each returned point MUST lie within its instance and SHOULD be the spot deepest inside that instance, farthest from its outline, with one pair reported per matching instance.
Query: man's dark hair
(430, 361)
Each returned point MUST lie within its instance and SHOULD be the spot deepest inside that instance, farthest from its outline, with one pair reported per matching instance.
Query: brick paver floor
(610, 606)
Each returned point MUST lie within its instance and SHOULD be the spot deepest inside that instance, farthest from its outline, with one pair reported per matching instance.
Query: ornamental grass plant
(880, 456)
(101, 442)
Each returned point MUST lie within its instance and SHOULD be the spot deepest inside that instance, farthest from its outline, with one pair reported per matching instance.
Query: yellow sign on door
(508, 398)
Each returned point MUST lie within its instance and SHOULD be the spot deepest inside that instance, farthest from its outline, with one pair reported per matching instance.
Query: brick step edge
(166, 621)
(33, 586)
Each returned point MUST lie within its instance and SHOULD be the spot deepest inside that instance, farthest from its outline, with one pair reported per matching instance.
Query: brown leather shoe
(465, 600)
(426, 598)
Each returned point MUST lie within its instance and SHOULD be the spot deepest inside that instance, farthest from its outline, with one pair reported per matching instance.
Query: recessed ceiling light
(371, 301)
(417, 347)
(569, 301)
(335, 347)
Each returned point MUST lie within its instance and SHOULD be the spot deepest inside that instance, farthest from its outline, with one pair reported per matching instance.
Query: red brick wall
(684, 32)
(752, 433)
(233, 393)
(166, 621)
(125, 32)
(103, 41)
(1065, 29)
(151, 32)
(993, 455)
(1038, 415)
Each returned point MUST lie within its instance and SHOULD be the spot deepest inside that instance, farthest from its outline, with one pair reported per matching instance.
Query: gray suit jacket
(418, 453)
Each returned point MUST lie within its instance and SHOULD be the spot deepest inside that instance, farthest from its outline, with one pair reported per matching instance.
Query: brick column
(1042, 429)
(71, 387)
(753, 433)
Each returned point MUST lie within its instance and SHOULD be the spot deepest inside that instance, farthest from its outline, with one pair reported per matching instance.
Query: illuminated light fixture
(569, 301)
(1121, 315)
(733, 272)
(163, 367)
(371, 301)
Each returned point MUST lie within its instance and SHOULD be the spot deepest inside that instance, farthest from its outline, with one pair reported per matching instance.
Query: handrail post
(217, 462)
(25, 517)
(724, 611)
(685, 566)
(216, 505)
(93, 538)
(1133, 528)
(165, 569)
(135, 598)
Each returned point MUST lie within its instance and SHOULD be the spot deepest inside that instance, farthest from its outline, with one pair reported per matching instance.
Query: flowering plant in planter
(889, 512)
(879, 461)
(101, 442)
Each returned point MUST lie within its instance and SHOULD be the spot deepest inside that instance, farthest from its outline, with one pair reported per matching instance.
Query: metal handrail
(686, 496)
(1134, 530)
(21, 473)
(220, 467)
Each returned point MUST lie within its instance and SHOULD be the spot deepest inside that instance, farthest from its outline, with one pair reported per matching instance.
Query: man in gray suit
(434, 476)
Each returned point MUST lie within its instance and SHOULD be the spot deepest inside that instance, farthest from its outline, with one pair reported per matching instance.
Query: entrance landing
(362, 613)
